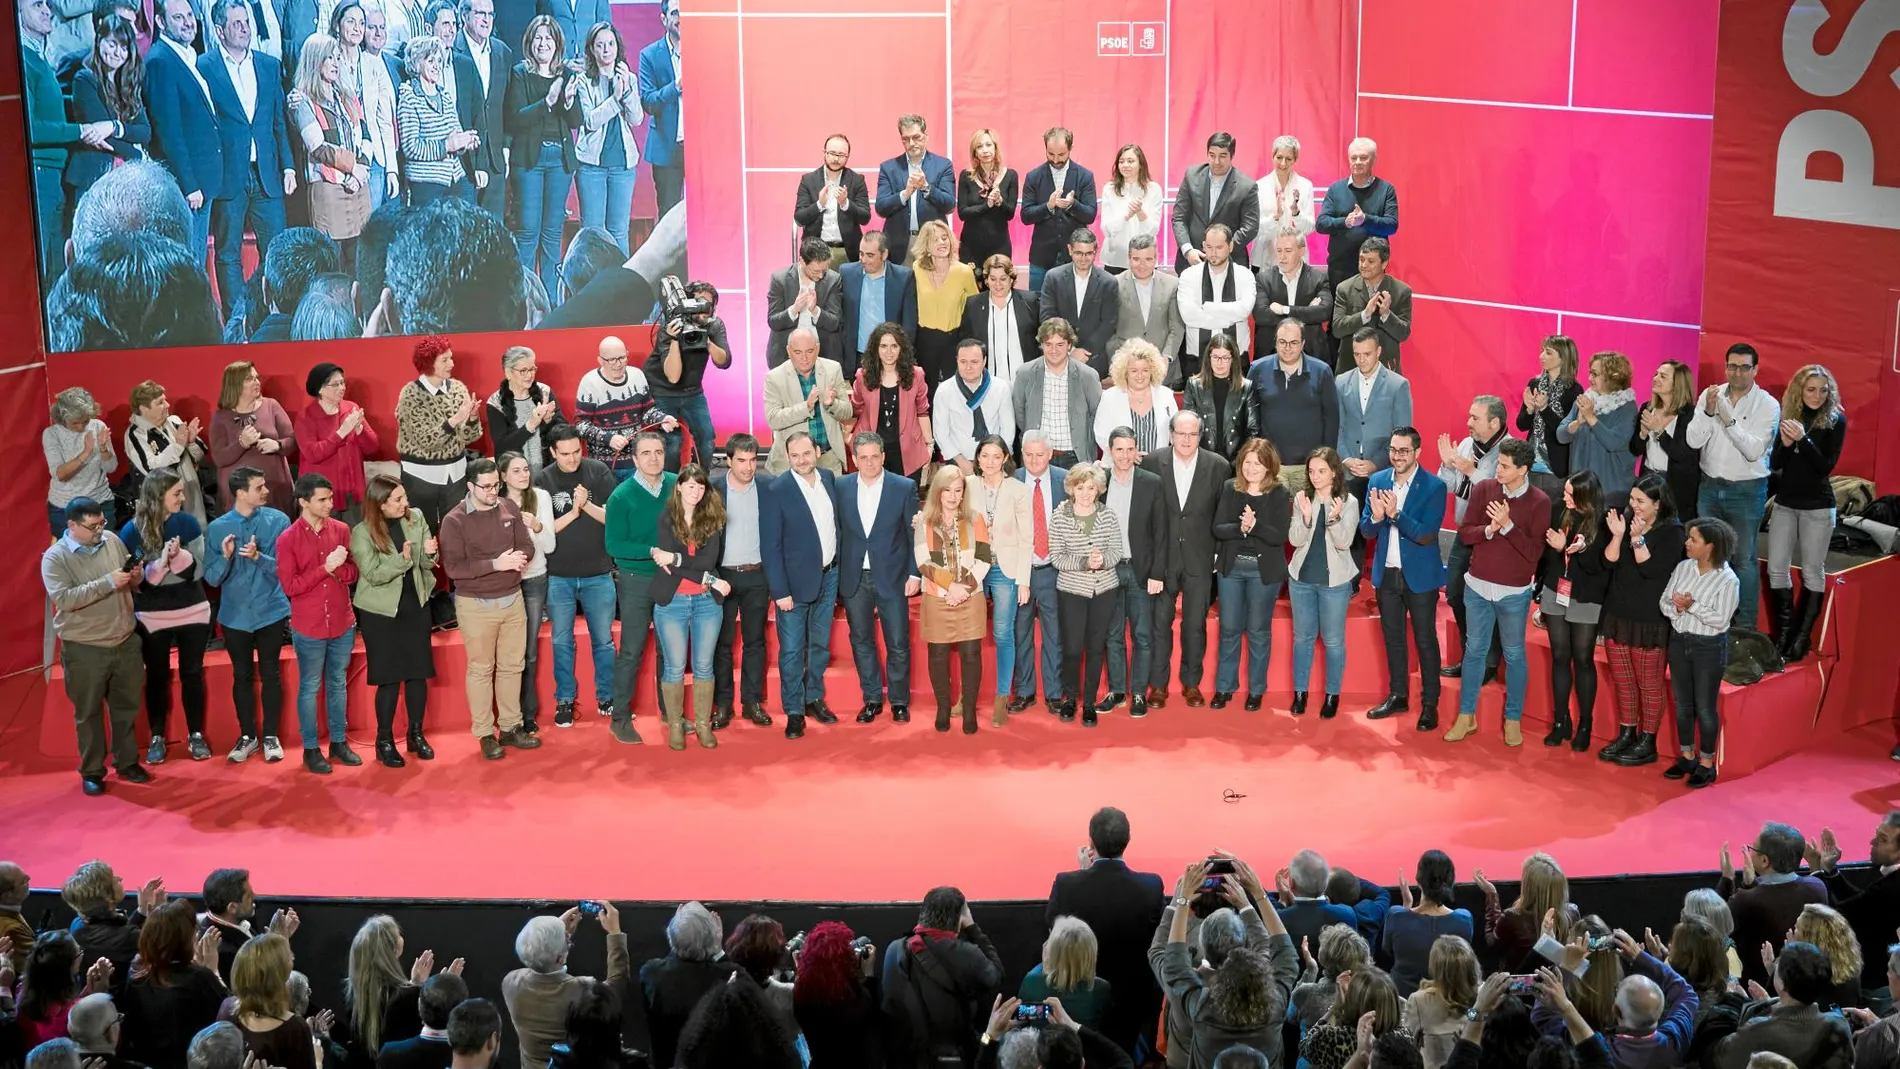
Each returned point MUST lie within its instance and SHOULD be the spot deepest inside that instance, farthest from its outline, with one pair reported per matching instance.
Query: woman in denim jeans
(1324, 517)
(608, 108)
(688, 602)
(1250, 529)
(537, 511)
(540, 120)
(1700, 603)
(1004, 503)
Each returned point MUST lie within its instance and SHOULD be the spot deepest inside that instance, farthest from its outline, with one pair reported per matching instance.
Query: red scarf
(921, 933)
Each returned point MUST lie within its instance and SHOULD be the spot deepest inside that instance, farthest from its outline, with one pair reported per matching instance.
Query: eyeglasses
(1400, 450)
(613, 359)
(95, 528)
(487, 488)
(527, 369)
(1739, 369)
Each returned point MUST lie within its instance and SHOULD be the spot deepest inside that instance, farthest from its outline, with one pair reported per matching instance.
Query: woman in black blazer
(109, 87)
(688, 602)
(1222, 395)
(1661, 441)
(1546, 398)
(1575, 581)
(986, 201)
(984, 318)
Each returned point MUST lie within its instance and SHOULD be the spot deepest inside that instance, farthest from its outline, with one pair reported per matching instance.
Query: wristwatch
(1180, 902)
(1472, 1016)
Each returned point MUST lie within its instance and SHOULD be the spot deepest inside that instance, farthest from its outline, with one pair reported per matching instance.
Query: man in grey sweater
(90, 577)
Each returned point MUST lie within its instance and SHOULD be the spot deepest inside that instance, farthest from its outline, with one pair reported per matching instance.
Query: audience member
(434, 1047)
(1700, 603)
(807, 294)
(1246, 997)
(383, 1003)
(15, 888)
(1372, 300)
(1341, 952)
(1358, 207)
(1424, 913)
(292, 262)
(1130, 210)
(1215, 193)
(454, 267)
(1250, 529)
(1304, 908)
(1435, 1013)
(1121, 907)
(936, 982)
(1367, 992)
(136, 290)
(1735, 429)
(1878, 1042)
(539, 994)
(835, 997)
(94, 1025)
(1505, 525)
(734, 1025)
(671, 986)
(56, 978)
(1806, 448)
(1369, 902)
(91, 590)
(1087, 299)
(230, 906)
(1543, 898)
(1296, 403)
(260, 1008)
(1767, 894)
(808, 394)
(1792, 1024)
(833, 204)
(1825, 928)
(218, 1046)
(590, 253)
(1871, 907)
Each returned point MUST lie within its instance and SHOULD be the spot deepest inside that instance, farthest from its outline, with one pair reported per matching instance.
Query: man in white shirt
(247, 95)
(1046, 494)
(1291, 288)
(878, 575)
(1405, 506)
(1735, 428)
(798, 541)
(833, 203)
(1216, 297)
(807, 294)
(1373, 401)
(969, 406)
(482, 103)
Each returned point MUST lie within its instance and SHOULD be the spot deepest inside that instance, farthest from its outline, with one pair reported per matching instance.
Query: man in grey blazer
(1215, 192)
(1291, 288)
(1148, 308)
(1376, 300)
(1071, 429)
(1374, 400)
(808, 293)
(1087, 298)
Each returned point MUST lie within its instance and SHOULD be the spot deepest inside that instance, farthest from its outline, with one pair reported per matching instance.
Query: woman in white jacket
(1137, 399)
(1286, 197)
(368, 77)
(537, 511)
(1130, 207)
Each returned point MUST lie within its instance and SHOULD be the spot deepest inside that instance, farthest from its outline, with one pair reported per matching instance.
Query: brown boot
(673, 713)
(999, 713)
(702, 715)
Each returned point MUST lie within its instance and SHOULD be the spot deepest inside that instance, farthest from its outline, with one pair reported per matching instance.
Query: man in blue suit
(1046, 494)
(184, 128)
(659, 80)
(1405, 505)
(798, 541)
(914, 188)
(875, 291)
(1058, 200)
(247, 92)
(877, 574)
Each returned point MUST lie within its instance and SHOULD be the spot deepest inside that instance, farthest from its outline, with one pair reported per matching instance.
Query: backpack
(1751, 655)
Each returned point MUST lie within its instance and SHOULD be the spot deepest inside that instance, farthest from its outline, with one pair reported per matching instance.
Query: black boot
(1625, 738)
(387, 753)
(1640, 752)
(1299, 704)
(943, 714)
(1802, 634)
(1329, 708)
(1559, 728)
(1580, 742)
(419, 745)
(1781, 615)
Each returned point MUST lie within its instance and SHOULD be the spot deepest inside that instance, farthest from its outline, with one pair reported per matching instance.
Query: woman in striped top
(432, 135)
(1085, 545)
(953, 557)
(1699, 602)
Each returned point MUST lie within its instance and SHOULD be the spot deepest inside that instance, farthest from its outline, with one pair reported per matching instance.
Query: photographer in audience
(835, 998)
(538, 996)
(1246, 997)
(671, 986)
(1060, 1041)
(757, 945)
(936, 981)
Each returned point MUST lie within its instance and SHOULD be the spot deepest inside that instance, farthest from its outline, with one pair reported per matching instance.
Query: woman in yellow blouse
(953, 556)
(943, 286)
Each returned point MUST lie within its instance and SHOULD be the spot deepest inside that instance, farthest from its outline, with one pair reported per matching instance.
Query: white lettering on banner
(1113, 39)
(1131, 38)
(1854, 200)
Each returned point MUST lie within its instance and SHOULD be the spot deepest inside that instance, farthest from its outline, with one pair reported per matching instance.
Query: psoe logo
(1131, 38)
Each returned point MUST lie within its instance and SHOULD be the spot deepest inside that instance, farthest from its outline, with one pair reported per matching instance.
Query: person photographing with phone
(1057, 1037)
(1245, 998)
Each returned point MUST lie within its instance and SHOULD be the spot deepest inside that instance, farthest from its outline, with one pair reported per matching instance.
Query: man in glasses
(89, 578)
(94, 1023)
(1734, 426)
(1767, 894)
(1405, 506)
(485, 546)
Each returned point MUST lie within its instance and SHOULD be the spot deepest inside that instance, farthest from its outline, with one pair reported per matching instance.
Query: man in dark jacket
(441, 993)
(673, 985)
(938, 983)
(1768, 894)
(1122, 907)
(1871, 903)
(1791, 1025)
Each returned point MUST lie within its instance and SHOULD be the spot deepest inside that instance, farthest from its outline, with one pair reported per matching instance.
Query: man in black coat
(940, 983)
(1190, 513)
(1134, 495)
(1871, 903)
(1099, 310)
(441, 993)
(673, 985)
(833, 203)
(1123, 907)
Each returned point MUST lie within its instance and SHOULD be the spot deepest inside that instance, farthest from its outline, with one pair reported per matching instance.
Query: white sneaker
(246, 746)
(273, 750)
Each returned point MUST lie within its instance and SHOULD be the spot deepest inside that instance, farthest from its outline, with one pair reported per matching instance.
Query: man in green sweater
(49, 134)
(633, 517)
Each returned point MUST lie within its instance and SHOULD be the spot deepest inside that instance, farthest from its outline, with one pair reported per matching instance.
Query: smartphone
(1033, 1011)
(1523, 984)
(1220, 866)
(590, 908)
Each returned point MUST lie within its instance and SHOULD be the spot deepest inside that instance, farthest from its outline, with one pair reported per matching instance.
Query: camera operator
(1061, 1043)
(682, 347)
(935, 983)
(594, 1022)
(835, 997)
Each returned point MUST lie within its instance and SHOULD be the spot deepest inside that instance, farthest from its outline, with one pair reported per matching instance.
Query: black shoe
(820, 712)
(563, 714)
(1110, 701)
(1329, 708)
(1065, 712)
(1138, 708)
(520, 740)
(1702, 777)
(419, 747)
(1559, 730)
(1254, 702)
(491, 748)
(1298, 708)
(1452, 671)
(1017, 705)
(900, 714)
(605, 708)
(528, 725)
(755, 713)
(722, 717)
(387, 753)
(1681, 769)
(1580, 742)
(340, 753)
(1390, 707)
(93, 787)
(1428, 718)
(1088, 717)
(135, 774)
(1625, 738)
(943, 718)
(1641, 752)
(1220, 700)
(794, 725)
(869, 712)
(313, 760)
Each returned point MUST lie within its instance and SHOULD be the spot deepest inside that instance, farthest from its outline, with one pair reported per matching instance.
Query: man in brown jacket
(485, 545)
(539, 995)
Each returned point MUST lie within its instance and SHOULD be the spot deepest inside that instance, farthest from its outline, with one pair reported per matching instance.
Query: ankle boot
(1801, 634)
(702, 715)
(386, 752)
(1462, 728)
(673, 713)
(1625, 738)
(419, 747)
(1559, 728)
(1781, 616)
(1640, 752)
(999, 713)
(943, 715)
(1580, 742)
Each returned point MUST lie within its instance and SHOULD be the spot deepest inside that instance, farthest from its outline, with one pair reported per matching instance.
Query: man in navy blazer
(659, 82)
(1058, 200)
(1100, 308)
(798, 541)
(1304, 908)
(479, 102)
(898, 303)
(913, 188)
(877, 574)
(1041, 608)
(1123, 908)
(1405, 506)
(184, 128)
(247, 93)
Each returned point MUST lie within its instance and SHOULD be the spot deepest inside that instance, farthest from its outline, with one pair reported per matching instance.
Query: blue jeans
(1042, 609)
(229, 217)
(693, 618)
(378, 185)
(607, 199)
(322, 662)
(424, 193)
(594, 596)
(1002, 594)
(1246, 608)
(1319, 612)
(804, 646)
(1741, 504)
(540, 209)
(690, 410)
(1035, 278)
(893, 615)
(1510, 616)
(1128, 664)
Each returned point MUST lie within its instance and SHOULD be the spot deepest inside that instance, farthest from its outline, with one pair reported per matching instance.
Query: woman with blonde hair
(79, 456)
(986, 201)
(1137, 399)
(1598, 426)
(1085, 545)
(1824, 927)
(1661, 441)
(1542, 891)
(250, 430)
(953, 557)
(944, 288)
(1067, 972)
(1807, 447)
(260, 982)
(1436, 1011)
(380, 997)
(1341, 951)
(329, 119)
(94, 892)
(1369, 990)
(1549, 394)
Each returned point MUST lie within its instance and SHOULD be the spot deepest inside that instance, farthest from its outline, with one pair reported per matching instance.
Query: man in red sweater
(485, 545)
(1504, 525)
(315, 570)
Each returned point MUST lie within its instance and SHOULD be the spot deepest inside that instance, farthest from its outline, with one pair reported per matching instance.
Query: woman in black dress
(986, 201)
(395, 556)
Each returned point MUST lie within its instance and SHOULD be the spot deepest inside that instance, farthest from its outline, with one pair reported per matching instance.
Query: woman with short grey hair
(1286, 196)
(79, 456)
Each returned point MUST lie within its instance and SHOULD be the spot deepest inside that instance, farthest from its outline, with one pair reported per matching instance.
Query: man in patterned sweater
(613, 405)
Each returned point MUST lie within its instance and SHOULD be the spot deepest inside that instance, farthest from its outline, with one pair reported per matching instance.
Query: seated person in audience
(1424, 913)
(1655, 1009)
(1340, 951)
(474, 1034)
(1871, 903)
(594, 1025)
(260, 1005)
(1246, 998)
(1304, 907)
(1767, 894)
(1059, 1042)
(1365, 993)
(1368, 901)
(174, 991)
(1877, 1039)
(434, 1048)
(671, 986)
(1791, 1024)
(1542, 892)
(1500, 1033)
(539, 994)
(93, 1024)
(926, 1005)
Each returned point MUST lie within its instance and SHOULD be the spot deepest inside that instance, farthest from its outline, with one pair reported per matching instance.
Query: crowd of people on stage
(1787, 961)
(321, 128)
(1021, 464)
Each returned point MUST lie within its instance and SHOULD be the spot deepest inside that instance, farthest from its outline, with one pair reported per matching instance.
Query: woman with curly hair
(1137, 399)
(890, 396)
(835, 999)
(757, 946)
(734, 1027)
(1244, 998)
(260, 980)
(174, 990)
(1807, 446)
(1370, 990)
(437, 419)
(1511, 932)
(1436, 1011)
(1828, 930)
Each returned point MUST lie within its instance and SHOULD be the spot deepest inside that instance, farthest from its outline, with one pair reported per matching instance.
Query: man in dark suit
(1870, 903)
(441, 993)
(247, 91)
(808, 293)
(1134, 495)
(741, 564)
(185, 136)
(913, 188)
(1215, 192)
(1122, 907)
(483, 65)
(1087, 298)
(1405, 507)
(1041, 612)
(659, 82)
(671, 986)
(875, 291)
(833, 203)
(1291, 288)
(1058, 200)
(798, 539)
(1191, 479)
(877, 574)
(1304, 908)
(1372, 300)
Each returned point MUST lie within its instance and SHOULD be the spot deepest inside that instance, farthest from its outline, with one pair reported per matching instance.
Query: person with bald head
(612, 405)
(808, 393)
(14, 887)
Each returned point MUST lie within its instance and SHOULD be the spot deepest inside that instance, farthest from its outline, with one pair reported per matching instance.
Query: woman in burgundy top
(251, 430)
(336, 438)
